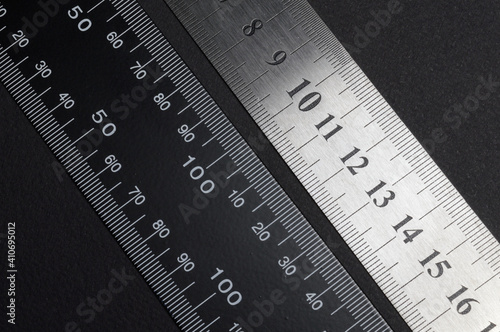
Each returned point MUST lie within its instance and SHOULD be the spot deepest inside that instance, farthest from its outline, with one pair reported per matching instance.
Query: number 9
(279, 57)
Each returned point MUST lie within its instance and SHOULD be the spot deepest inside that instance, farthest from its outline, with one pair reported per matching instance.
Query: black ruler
(444, 151)
(210, 230)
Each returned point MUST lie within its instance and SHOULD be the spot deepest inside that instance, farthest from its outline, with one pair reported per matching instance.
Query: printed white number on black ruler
(213, 234)
(413, 232)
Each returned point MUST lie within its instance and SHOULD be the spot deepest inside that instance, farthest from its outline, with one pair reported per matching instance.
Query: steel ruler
(413, 232)
(210, 230)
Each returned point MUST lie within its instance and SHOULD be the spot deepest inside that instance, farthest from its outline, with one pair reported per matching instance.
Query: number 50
(84, 24)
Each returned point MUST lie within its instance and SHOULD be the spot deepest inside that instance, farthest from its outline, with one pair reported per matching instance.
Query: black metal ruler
(234, 3)
(203, 221)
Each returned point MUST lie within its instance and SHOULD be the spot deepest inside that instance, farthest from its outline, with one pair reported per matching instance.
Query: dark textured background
(427, 59)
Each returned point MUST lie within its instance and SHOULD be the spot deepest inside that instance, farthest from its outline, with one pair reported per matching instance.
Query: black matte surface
(427, 59)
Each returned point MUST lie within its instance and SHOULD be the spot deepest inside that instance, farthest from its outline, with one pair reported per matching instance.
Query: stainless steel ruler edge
(436, 182)
(117, 221)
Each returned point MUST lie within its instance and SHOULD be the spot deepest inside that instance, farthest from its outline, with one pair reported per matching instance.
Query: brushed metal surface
(368, 123)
